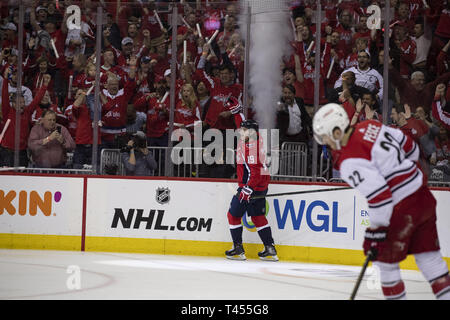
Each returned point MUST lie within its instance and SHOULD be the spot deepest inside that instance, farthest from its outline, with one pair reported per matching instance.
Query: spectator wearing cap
(293, 120)
(403, 49)
(48, 32)
(145, 78)
(161, 56)
(365, 76)
(10, 39)
(41, 14)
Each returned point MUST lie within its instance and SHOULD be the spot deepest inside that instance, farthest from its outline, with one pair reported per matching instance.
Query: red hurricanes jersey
(381, 163)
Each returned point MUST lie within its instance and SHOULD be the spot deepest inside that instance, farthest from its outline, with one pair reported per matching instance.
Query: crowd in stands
(57, 98)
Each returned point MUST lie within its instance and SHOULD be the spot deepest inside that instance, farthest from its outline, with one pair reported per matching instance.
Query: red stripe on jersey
(385, 195)
(398, 180)
(408, 146)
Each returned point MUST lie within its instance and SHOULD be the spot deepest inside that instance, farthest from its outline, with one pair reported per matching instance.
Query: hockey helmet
(250, 124)
(328, 118)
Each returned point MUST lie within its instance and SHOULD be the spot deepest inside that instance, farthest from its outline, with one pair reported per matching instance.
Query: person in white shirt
(422, 37)
(293, 120)
(365, 76)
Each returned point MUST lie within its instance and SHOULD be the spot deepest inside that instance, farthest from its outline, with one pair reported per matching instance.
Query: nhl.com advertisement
(197, 210)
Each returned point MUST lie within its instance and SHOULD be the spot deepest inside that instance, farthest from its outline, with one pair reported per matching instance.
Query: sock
(235, 228)
(394, 290)
(263, 228)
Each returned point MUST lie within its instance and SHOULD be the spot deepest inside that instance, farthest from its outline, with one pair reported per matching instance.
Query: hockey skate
(236, 253)
(269, 253)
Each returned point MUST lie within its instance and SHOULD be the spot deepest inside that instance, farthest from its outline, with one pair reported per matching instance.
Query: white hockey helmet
(327, 118)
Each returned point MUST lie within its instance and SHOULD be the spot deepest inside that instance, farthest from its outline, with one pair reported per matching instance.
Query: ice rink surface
(69, 275)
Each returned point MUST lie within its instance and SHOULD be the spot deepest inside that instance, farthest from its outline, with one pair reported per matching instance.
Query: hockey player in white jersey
(382, 164)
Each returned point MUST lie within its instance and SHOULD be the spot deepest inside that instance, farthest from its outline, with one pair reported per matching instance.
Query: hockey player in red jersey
(253, 179)
(382, 164)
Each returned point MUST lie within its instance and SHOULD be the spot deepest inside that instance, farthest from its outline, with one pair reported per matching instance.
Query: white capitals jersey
(381, 163)
(370, 79)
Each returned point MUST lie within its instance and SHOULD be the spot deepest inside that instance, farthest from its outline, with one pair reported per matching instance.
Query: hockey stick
(299, 192)
(361, 275)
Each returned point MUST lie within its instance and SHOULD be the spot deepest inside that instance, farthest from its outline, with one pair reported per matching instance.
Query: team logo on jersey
(162, 195)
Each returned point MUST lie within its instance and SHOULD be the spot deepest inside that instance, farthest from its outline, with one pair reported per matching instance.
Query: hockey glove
(246, 193)
(233, 105)
(375, 241)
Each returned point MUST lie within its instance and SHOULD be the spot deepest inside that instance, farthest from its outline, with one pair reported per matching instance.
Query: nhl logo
(162, 195)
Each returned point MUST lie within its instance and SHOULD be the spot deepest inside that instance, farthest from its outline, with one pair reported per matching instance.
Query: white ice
(59, 275)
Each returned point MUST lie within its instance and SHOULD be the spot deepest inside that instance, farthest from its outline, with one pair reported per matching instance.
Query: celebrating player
(253, 177)
(382, 163)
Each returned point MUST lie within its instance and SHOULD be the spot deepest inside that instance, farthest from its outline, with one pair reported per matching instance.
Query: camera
(139, 141)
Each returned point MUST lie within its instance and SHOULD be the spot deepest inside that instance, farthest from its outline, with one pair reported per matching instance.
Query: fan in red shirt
(220, 90)
(8, 109)
(156, 106)
(84, 135)
(187, 111)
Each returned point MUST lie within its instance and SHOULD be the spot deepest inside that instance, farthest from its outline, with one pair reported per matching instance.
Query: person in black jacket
(293, 121)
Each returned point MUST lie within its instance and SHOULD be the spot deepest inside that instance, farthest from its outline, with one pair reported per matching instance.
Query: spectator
(49, 142)
(11, 79)
(289, 77)
(417, 129)
(218, 116)
(422, 38)
(365, 109)
(440, 159)
(84, 135)
(293, 120)
(137, 159)
(187, 112)
(114, 106)
(443, 60)
(46, 104)
(365, 76)
(135, 120)
(156, 106)
(9, 107)
(204, 98)
(416, 92)
(403, 49)
(348, 93)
